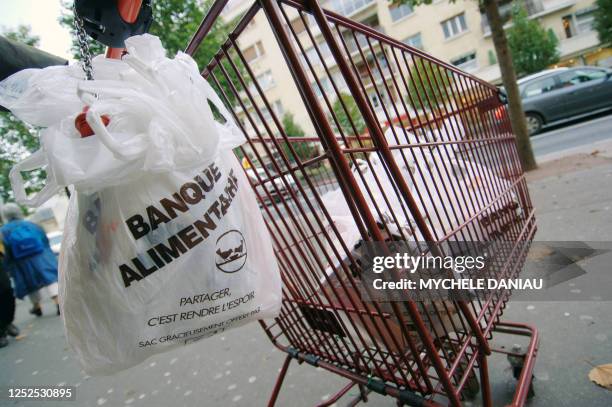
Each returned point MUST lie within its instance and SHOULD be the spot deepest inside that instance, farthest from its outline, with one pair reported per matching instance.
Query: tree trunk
(517, 117)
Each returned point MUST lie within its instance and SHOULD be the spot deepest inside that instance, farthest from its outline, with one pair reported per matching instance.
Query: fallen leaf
(602, 375)
(20, 337)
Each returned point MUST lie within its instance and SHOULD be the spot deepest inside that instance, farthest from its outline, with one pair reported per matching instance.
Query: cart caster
(516, 361)
(531, 392)
(516, 372)
(472, 385)
(471, 388)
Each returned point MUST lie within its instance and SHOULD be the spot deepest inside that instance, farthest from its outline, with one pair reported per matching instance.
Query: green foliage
(429, 82)
(67, 20)
(492, 57)
(292, 129)
(174, 22)
(17, 139)
(22, 34)
(533, 48)
(302, 149)
(346, 111)
(603, 20)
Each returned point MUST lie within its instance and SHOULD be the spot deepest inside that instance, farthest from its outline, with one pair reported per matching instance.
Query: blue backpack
(23, 239)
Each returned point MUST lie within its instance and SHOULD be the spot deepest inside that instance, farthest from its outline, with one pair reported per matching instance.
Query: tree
(429, 83)
(302, 149)
(349, 117)
(603, 21)
(517, 117)
(533, 48)
(174, 22)
(22, 34)
(17, 139)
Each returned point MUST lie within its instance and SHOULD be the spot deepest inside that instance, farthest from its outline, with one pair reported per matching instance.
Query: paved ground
(239, 367)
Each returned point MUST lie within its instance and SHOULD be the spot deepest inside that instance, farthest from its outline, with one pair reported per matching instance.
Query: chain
(83, 45)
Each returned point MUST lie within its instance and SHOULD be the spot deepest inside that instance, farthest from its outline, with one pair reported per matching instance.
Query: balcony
(348, 7)
(569, 47)
(535, 9)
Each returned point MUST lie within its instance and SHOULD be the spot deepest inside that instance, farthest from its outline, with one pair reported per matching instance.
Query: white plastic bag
(445, 185)
(164, 243)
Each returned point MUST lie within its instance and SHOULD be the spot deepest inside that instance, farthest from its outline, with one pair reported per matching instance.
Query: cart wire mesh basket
(405, 148)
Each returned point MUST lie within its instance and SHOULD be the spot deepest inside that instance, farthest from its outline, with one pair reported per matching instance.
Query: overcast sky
(42, 16)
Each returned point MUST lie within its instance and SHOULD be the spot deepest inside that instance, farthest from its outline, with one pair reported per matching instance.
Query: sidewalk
(573, 196)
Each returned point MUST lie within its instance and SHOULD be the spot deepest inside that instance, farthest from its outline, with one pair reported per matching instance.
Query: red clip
(83, 127)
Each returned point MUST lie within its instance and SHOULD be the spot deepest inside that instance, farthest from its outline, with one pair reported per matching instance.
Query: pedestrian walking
(7, 306)
(28, 258)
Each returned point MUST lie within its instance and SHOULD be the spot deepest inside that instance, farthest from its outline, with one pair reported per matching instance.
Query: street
(576, 133)
(239, 367)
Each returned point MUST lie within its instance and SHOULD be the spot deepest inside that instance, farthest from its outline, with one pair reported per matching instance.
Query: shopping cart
(405, 148)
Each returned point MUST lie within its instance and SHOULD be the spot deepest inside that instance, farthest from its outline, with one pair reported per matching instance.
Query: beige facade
(454, 32)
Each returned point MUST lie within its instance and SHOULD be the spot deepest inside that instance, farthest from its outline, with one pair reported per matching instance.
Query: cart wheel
(531, 392)
(472, 385)
(516, 372)
(471, 388)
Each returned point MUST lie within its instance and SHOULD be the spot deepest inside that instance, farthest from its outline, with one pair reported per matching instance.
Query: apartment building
(454, 32)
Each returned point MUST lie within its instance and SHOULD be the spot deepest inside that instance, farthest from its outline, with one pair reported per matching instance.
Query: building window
(414, 41)
(325, 84)
(400, 11)
(279, 111)
(266, 115)
(253, 52)
(454, 26)
(324, 49)
(298, 25)
(568, 26)
(313, 56)
(584, 20)
(378, 100)
(338, 80)
(347, 7)
(578, 23)
(265, 81)
(375, 100)
(466, 62)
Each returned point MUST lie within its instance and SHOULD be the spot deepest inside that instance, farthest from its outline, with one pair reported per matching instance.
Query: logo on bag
(231, 252)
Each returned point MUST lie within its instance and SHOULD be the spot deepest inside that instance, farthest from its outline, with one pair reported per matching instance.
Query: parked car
(564, 93)
(55, 241)
(275, 193)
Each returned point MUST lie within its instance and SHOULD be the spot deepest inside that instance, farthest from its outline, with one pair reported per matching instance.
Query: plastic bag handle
(35, 161)
(116, 90)
(234, 133)
(214, 98)
(120, 150)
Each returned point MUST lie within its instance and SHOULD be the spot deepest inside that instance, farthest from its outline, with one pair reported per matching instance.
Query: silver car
(265, 190)
(565, 93)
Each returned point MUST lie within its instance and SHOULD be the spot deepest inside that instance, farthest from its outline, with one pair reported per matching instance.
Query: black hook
(103, 22)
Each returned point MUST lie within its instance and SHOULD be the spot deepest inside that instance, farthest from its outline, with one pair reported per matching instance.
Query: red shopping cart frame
(418, 354)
